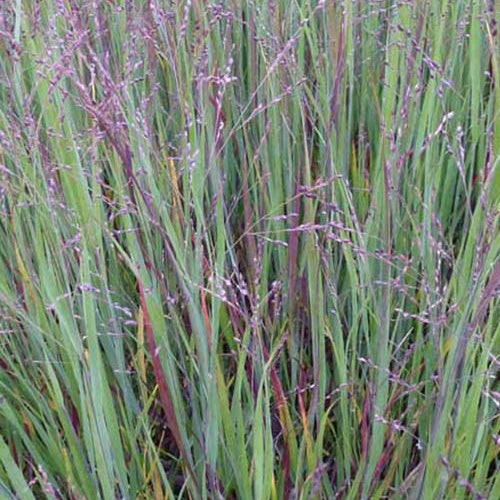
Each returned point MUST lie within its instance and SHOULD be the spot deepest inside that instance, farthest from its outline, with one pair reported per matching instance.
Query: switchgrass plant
(249, 249)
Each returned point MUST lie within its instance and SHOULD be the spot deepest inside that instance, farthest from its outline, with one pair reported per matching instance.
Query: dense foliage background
(249, 249)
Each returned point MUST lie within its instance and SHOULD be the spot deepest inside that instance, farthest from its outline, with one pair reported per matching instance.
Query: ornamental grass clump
(249, 250)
